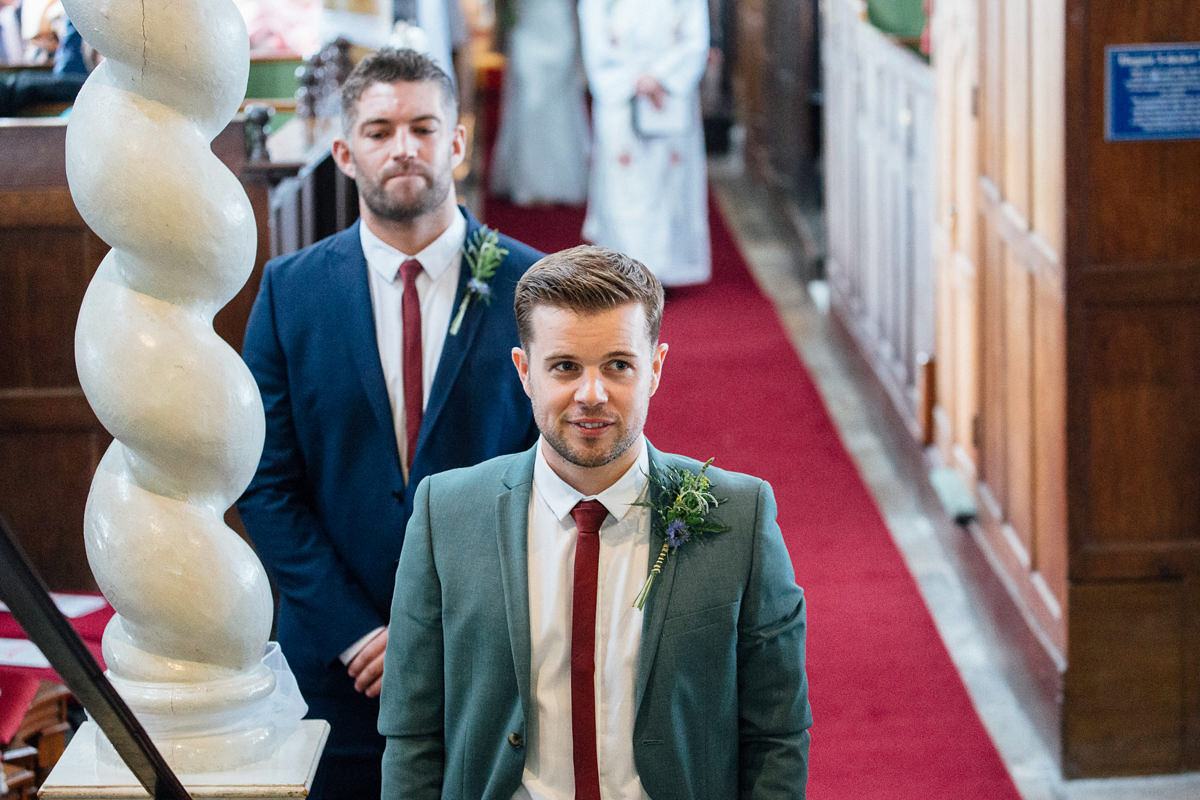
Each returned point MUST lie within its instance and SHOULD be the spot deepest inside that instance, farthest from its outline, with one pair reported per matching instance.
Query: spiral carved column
(188, 646)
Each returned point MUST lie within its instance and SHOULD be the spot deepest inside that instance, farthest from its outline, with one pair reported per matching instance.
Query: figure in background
(21, 90)
(383, 355)
(647, 194)
(12, 44)
(443, 24)
(529, 656)
(541, 152)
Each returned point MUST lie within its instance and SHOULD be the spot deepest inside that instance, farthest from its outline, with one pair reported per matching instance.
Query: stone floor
(903, 500)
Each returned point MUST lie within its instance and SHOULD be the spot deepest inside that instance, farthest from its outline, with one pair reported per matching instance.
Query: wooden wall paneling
(1191, 674)
(1049, 497)
(920, 147)
(1132, 267)
(1140, 196)
(871, 155)
(1144, 371)
(1018, 390)
(965, 351)
(989, 424)
(991, 90)
(993, 412)
(748, 83)
(946, 57)
(956, 54)
(1046, 122)
(1016, 177)
(1046, 213)
(45, 474)
(1123, 700)
(881, 198)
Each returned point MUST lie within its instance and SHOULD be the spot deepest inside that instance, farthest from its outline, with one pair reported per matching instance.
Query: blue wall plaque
(1152, 91)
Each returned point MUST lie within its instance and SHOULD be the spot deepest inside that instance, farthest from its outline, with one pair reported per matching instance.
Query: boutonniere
(687, 514)
(483, 254)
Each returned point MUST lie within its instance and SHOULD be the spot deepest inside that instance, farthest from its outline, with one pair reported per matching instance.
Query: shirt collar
(619, 498)
(435, 259)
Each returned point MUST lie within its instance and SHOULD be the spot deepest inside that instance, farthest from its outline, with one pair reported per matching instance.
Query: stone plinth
(82, 774)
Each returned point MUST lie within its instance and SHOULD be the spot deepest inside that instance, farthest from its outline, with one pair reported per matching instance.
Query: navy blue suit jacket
(328, 506)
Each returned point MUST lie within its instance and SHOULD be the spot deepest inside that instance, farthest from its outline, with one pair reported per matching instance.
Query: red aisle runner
(893, 719)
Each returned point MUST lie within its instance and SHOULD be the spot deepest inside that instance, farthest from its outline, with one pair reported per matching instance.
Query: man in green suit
(529, 656)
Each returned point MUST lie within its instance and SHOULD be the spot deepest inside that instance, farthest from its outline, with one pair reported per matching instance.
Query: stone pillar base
(82, 775)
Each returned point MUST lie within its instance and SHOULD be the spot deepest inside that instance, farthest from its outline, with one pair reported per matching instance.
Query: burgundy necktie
(414, 384)
(588, 514)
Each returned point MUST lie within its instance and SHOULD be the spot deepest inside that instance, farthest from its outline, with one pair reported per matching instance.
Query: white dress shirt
(624, 559)
(436, 285)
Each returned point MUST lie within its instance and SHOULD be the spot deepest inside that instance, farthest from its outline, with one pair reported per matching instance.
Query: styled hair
(391, 65)
(587, 279)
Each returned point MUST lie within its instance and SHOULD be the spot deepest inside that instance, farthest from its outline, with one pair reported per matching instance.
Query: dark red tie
(588, 514)
(414, 384)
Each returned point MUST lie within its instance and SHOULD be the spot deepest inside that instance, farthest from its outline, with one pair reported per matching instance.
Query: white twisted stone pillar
(188, 644)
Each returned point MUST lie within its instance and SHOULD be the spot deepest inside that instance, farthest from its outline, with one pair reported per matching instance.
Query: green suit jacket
(722, 697)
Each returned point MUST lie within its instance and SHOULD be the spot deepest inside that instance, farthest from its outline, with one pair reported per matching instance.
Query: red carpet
(892, 718)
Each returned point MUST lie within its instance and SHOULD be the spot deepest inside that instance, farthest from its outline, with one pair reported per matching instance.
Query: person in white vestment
(443, 24)
(541, 153)
(647, 194)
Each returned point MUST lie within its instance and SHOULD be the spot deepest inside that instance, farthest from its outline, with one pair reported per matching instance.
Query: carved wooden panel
(1022, 423)
(879, 155)
(955, 60)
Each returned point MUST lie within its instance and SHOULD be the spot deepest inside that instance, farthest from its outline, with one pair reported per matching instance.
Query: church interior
(972, 222)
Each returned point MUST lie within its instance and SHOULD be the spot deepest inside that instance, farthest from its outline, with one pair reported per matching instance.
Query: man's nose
(404, 144)
(591, 390)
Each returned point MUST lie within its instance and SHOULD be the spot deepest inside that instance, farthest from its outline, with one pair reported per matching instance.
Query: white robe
(541, 153)
(648, 194)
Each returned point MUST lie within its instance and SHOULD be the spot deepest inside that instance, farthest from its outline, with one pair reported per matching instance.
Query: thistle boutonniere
(483, 254)
(686, 515)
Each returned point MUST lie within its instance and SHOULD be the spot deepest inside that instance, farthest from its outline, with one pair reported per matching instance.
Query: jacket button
(515, 740)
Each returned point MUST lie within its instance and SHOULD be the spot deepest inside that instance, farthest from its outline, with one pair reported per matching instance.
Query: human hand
(366, 668)
(648, 86)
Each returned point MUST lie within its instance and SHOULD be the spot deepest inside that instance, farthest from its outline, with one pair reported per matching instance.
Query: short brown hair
(391, 65)
(587, 279)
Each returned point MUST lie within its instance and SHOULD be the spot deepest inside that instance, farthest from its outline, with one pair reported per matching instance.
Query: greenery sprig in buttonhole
(687, 514)
(483, 254)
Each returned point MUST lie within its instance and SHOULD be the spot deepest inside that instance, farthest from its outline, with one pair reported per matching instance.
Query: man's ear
(521, 362)
(660, 355)
(343, 157)
(458, 145)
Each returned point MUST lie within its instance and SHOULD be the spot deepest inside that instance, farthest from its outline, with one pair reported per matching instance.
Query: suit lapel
(512, 526)
(349, 276)
(655, 612)
(456, 347)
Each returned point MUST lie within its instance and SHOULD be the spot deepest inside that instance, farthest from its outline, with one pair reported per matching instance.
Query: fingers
(366, 668)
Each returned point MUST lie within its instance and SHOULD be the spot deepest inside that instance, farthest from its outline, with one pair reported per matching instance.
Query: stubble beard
(589, 458)
(384, 205)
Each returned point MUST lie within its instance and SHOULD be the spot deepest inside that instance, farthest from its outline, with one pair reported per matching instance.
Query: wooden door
(955, 58)
(1022, 421)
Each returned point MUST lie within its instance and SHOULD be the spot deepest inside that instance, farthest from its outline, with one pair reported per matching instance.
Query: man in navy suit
(360, 406)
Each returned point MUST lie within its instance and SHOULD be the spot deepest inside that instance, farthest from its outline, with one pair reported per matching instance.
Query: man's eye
(563, 366)
(620, 366)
